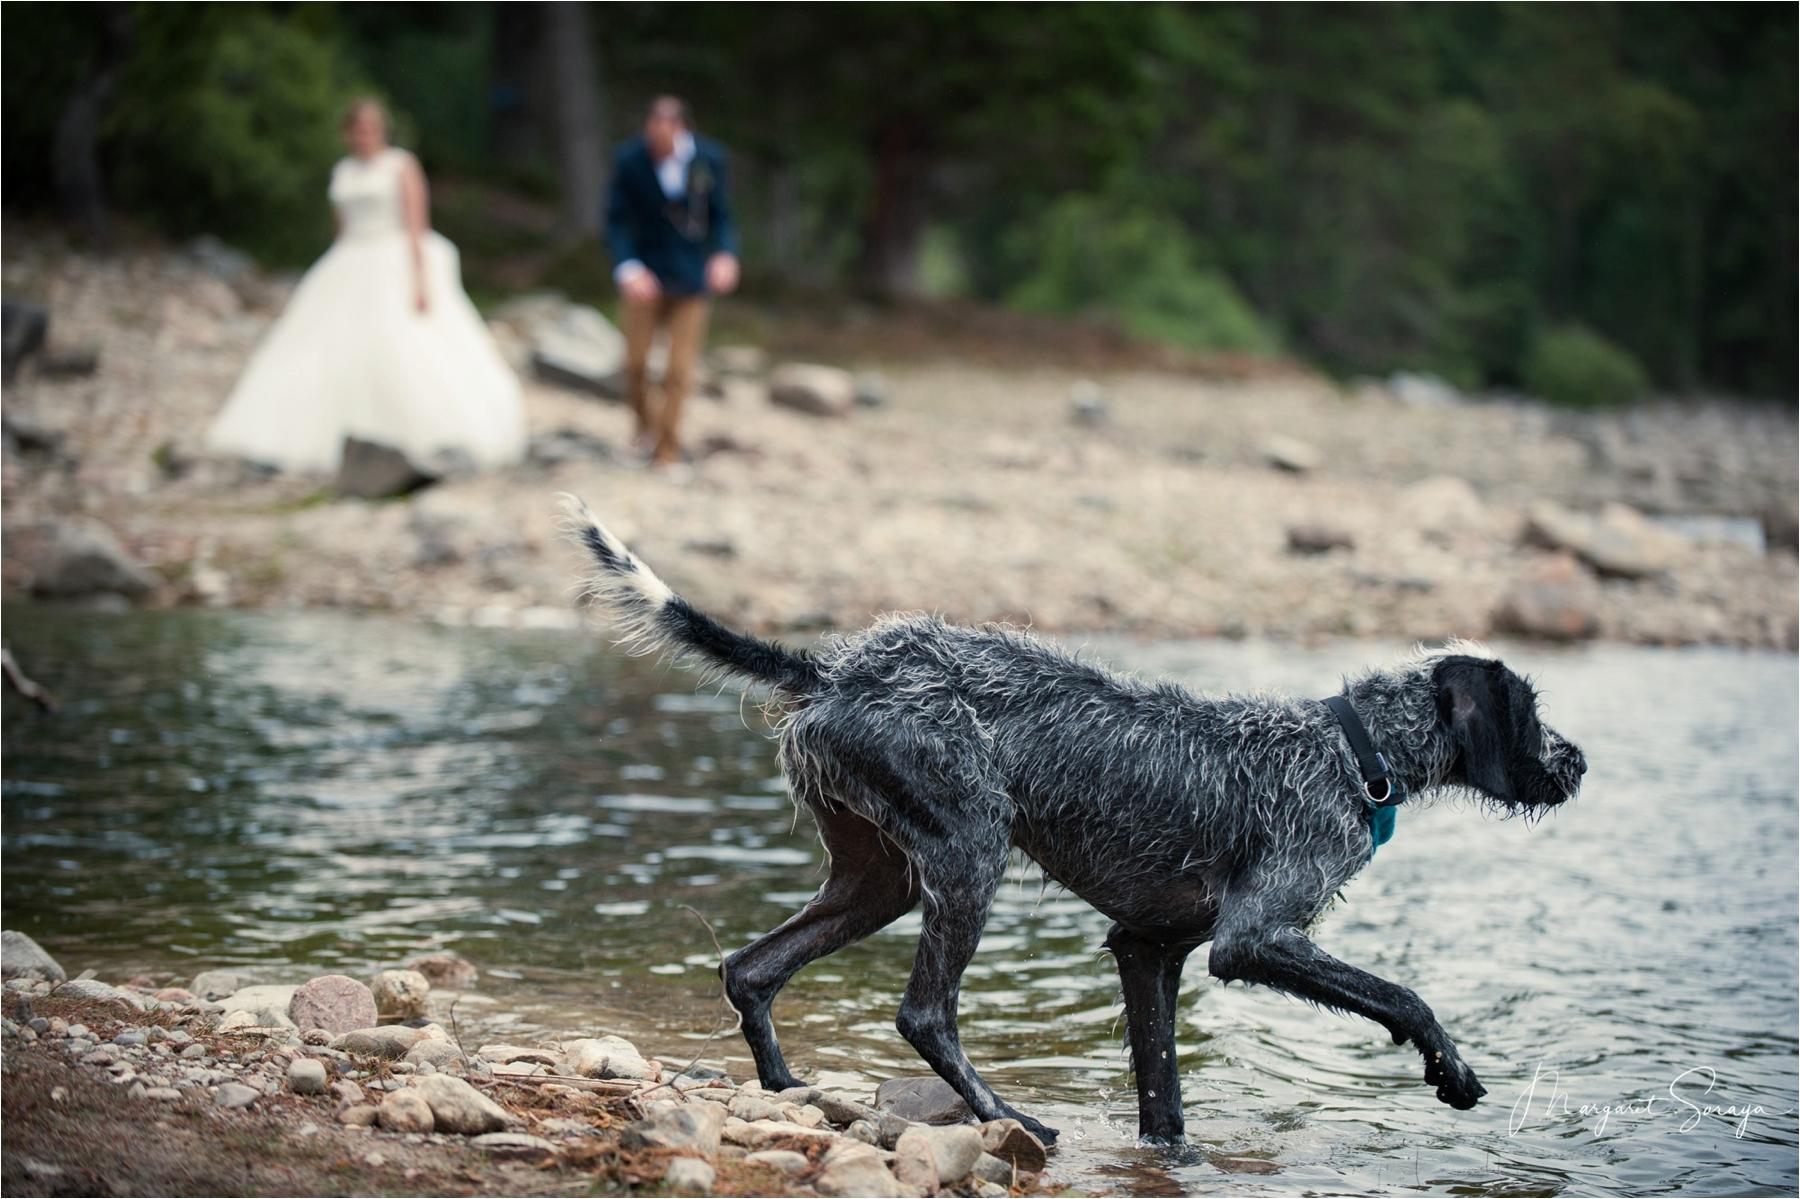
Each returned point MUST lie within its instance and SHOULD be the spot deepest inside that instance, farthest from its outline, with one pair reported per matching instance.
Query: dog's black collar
(1379, 787)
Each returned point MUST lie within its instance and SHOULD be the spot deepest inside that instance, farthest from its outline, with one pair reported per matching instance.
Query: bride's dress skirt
(352, 356)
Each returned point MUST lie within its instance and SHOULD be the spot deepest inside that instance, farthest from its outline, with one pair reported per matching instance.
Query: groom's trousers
(685, 318)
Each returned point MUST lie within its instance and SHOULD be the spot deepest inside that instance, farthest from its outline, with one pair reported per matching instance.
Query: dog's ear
(1472, 703)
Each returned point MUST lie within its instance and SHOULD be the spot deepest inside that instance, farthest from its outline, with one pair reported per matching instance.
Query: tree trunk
(895, 228)
(580, 138)
(75, 149)
(518, 71)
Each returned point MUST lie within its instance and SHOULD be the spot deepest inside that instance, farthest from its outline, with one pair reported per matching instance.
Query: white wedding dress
(353, 356)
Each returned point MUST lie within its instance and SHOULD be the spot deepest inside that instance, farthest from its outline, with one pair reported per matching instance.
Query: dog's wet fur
(925, 752)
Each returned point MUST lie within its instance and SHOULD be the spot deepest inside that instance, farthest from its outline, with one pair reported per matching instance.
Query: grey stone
(131, 1038)
(214, 985)
(1317, 537)
(513, 1144)
(234, 1094)
(688, 1176)
(1620, 542)
(267, 1005)
(1013, 1143)
(858, 1171)
(407, 1110)
(306, 1077)
(162, 1094)
(391, 1043)
(1291, 455)
(371, 471)
(21, 957)
(604, 1057)
(1556, 601)
(437, 1054)
(678, 1126)
(1088, 404)
(841, 1109)
(989, 1168)
(812, 389)
(784, 1160)
(82, 558)
(921, 1100)
(459, 1107)
(193, 1052)
(361, 1115)
(347, 1092)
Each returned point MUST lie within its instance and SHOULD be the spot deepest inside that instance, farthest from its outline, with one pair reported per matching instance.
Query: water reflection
(321, 792)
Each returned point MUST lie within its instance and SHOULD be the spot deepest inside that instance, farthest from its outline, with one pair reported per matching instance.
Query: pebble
(513, 1144)
(401, 994)
(336, 1003)
(346, 1092)
(784, 1160)
(361, 1115)
(192, 1052)
(688, 1176)
(164, 1094)
(306, 1077)
(459, 1107)
(234, 1095)
(132, 1037)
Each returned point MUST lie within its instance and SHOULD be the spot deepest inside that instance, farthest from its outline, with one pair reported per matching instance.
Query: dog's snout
(1580, 762)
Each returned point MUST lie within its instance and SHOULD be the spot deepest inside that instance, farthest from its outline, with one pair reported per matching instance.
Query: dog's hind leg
(869, 887)
(1150, 973)
(959, 885)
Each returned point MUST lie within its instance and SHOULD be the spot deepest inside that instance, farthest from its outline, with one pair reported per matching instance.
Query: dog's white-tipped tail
(650, 616)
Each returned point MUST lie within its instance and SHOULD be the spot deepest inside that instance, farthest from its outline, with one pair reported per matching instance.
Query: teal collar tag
(1381, 826)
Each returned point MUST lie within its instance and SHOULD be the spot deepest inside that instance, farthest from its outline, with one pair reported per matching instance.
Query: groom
(673, 243)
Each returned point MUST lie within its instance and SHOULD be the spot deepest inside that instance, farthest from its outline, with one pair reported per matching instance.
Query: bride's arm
(415, 203)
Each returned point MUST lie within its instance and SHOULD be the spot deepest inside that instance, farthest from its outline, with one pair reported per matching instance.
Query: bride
(379, 342)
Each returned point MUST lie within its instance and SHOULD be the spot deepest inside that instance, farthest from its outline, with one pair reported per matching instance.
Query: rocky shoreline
(1157, 502)
(346, 1086)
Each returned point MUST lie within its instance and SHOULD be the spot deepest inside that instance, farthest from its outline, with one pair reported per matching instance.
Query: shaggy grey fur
(926, 751)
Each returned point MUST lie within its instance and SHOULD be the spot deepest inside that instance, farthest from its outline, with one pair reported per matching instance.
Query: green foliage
(1092, 257)
(228, 123)
(1577, 368)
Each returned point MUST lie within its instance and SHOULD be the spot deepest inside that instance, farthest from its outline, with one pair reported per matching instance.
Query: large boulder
(672, 1125)
(20, 956)
(922, 1100)
(336, 1003)
(458, 1107)
(604, 1057)
(1556, 601)
(1621, 542)
(82, 558)
(570, 345)
(812, 389)
(372, 471)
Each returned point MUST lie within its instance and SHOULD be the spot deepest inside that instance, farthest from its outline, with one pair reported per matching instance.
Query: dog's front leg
(1150, 975)
(1284, 958)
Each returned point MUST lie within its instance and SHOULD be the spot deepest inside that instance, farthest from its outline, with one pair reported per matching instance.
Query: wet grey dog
(925, 752)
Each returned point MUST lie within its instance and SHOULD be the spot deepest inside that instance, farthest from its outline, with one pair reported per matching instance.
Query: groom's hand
(640, 287)
(722, 274)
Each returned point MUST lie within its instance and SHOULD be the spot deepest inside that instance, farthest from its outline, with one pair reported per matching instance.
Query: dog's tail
(652, 617)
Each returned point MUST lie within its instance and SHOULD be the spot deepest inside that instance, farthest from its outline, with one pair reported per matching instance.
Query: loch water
(296, 794)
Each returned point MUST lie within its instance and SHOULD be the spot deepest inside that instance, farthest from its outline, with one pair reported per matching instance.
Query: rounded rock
(401, 994)
(335, 1003)
(306, 1077)
(406, 1111)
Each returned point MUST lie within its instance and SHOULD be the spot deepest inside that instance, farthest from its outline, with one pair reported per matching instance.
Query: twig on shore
(456, 1036)
(724, 999)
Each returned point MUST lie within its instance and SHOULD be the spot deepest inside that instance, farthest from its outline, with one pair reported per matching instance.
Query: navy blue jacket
(673, 237)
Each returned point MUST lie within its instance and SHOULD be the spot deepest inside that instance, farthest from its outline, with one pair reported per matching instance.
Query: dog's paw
(1042, 1132)
(1456, 1084)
